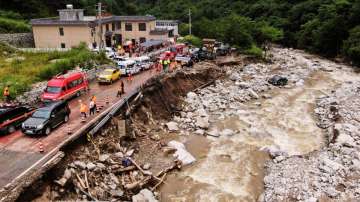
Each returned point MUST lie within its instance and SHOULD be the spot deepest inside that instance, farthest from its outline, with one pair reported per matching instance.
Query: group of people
(92, 104)
(165, 65)
(84, 108)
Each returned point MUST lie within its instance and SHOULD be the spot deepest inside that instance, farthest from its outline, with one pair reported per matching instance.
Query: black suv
(11, 117)
(44, 119)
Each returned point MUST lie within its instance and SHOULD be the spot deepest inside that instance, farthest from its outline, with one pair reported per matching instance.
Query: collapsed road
(252, 141)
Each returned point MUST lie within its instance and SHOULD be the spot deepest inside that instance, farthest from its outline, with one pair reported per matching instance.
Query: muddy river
(232, 168)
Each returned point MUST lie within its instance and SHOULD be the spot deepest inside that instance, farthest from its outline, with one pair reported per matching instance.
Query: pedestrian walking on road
(83, 109)
(121, 91)
(6, 93)
(92, 107)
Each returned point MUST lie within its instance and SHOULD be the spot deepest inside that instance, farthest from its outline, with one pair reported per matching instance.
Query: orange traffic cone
(69, 130)
(41, 147)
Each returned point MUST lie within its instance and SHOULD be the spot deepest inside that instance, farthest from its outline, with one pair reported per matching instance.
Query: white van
(143, 62)
(128, 66)
(117, 58)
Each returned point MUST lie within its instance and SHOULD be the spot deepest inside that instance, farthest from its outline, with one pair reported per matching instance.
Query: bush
(13, 26)
(255, 51)
(10, 14)
(195, 41)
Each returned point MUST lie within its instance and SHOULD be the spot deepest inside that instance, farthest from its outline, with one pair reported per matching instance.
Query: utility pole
(100, 26)
(189, 21)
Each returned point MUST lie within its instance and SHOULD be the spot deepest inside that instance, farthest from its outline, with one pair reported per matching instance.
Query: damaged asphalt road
(250, 140)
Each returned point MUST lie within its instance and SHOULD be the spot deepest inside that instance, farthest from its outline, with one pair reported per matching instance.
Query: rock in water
(144, 195)
(202, 122)
(181, 153)
(172, 126)
(227, 132)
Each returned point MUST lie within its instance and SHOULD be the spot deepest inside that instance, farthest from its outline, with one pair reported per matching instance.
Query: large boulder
(172, 126)
(144, 195)
(181, 153)
(202, 122)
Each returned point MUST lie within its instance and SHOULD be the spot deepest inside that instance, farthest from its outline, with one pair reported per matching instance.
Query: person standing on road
(92, 107)
(130, 77)
(122, 87)
(93, 98)
(121, 91)
(6, 93)
(83, 109)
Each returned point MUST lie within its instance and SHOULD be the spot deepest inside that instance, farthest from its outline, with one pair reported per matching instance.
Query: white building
(170, 25)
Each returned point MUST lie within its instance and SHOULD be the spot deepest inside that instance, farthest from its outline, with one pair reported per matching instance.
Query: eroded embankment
(97, 169)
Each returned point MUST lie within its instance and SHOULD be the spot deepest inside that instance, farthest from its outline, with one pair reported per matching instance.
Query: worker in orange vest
(83, 109)
(93, 98)
(6, 93)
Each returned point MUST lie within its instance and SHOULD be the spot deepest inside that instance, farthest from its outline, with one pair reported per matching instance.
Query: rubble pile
(107, 171)
(332, 173)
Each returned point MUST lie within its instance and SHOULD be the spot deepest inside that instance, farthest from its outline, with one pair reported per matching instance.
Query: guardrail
(115, 109)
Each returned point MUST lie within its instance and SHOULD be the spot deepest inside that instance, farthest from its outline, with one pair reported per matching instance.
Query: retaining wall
(20, 40)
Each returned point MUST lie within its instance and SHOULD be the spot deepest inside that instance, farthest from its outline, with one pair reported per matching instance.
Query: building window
(107, 27)
(142, 39)
(118, 25)
(62, 45)
(113, 26)
(61, 31)
(128, 27)
(142, 27)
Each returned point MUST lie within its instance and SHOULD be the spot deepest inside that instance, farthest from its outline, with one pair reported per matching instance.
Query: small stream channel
(232, 168)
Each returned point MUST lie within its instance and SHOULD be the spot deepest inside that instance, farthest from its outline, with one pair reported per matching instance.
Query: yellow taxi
(108, 75)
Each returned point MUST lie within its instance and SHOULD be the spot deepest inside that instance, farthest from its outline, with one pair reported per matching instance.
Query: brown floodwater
(232, 168)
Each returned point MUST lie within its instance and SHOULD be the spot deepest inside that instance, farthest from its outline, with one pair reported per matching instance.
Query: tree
(351, 46)
(266, 34)
(238, 31)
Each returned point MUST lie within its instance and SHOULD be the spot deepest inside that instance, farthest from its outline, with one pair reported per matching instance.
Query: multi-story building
(170, 25)
(72, 28)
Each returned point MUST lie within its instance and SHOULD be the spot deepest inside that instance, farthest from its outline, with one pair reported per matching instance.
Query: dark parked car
(44, 119)
(205, 55)
(278, 80)
(184, 61)
(11, 117)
